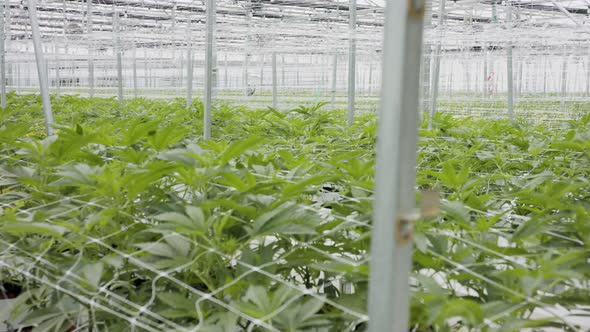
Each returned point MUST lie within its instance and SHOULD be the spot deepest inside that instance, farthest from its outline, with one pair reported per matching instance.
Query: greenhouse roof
(298, 26)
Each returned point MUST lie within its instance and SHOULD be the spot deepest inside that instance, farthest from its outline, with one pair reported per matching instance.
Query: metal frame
(189, 67)
(436, 69)
(510, 76)
(274, 81)
(2, 59)
(334, 80)
(395, 178)
(351, 61)
(211, 17)
(119, 54)
(41, 67)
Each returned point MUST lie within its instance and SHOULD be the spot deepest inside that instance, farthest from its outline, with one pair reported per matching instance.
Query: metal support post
(563, 83)
(211, 17)
(274, 81)
(41, 70)
(395, 177)
(334, 79)
(119, 57)
(588, 73)
(510, 85)
(485, 73)
(135, 71)
(90, 47)
(351, 60)
(2, 59)
(436, 69)
(189, 66)
(247, 90)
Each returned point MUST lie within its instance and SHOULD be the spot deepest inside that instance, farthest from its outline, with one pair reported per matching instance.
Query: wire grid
(68, 276)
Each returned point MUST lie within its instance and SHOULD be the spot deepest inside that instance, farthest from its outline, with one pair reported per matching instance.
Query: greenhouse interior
(295, 165)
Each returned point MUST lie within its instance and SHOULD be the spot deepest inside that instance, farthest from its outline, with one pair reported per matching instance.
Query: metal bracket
(416, 8)
(404, 225)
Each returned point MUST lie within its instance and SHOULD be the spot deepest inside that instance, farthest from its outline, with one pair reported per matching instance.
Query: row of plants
(127, 220)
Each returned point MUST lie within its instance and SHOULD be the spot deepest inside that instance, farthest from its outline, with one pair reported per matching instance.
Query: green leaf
(237, 148)
(34, 228)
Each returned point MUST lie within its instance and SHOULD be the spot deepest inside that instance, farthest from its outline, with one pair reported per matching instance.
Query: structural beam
(2, 59)
(209, 69)
(189, 66)
(436, 69)
(351, 60)
(41, 69)
(119, 54)
(90, 48)
(510, 76)
(334, 79)
(391, 245)
(274, 81)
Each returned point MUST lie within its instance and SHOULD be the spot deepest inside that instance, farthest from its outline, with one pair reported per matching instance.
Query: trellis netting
(151, 227)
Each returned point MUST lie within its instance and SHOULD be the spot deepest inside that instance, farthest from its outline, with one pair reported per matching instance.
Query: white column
(41, 70)
(588, 73)
(436, 69)
(274, 80)
(189, 66)
(2, 58)
(485, 72)
(135, 70)
(509, 77)
(247, 49)
(563, 82)
(209, 68)
(334, 79)
(119, 56)
(395, 178)
(351, 60)
(90, 47)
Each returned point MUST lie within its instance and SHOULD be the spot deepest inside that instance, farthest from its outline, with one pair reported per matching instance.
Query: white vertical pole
(334, 79)
(485, 72)
(57, 65)
(209, 68)
(225, 69)
(247, 49)
(2, 58)
(90, 47)
(119, 56)
(41, 70)
(588, 73)
(370, 79)
(351, 60)
(145, 69)
(436, 69)
(189, 66)
(262, 63)
(545, 75)
(135, 70)
(297, 69)
(274, 81)
(283, 71)
(509, 63)
(395, 177)
(426, 63)
(563, 82)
